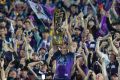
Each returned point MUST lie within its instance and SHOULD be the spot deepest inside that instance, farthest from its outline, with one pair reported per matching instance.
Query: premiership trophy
(2, 2)
(59, 17)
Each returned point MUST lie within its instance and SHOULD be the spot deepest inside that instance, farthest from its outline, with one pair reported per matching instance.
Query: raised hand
(81, 15)
(10, 64)
(2, 63)
(51, 52)
(88, 17)
(90, 72)
(110, 38)
(84, 44)
(66, 21)
(99, 39)
(99, 63)
(77, 63)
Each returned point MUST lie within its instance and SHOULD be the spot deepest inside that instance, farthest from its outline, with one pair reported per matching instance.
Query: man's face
(45, 35)
(27, 24)
(87, 31)
(20, 7)
(35, 57)
(22, 53)
(77, 32)
(81, 61)
(117, 35)
(99, 77)
(19, 22)
(63, 49)
(19, 33)
(116, 44)
(44, 68)
(73, 9)
(91, 23)
(2, 30)
(74, 45)
(42, 52)
(114, 78)
(24, 74)
(29, 38)
(13, 74)
(111, 56)
(22, 61)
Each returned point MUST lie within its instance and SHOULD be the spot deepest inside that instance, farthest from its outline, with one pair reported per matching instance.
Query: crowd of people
(63, 40)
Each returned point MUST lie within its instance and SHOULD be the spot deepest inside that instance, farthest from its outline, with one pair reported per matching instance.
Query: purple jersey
(64, 65)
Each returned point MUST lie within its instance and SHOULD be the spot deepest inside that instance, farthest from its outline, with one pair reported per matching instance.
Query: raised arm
(118, 58)
(81, 72)
(86, 49)
(104, 72)
(31, 23)
(94, 9)
(50, 54)
(32, 71)
(6, 47)
(83, 54)
(68, 34)
(36, 36)
(84, 21)
(103, 67)
(26, 44)
(2, 70)
(113, 46)
(10, 65)
(30, 67)
(113, 9)
(98, 47)
(54, 66)
(85, 58)
(35, 63)
(90, 72)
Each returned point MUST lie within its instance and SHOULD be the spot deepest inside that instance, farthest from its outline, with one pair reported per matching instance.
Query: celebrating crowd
(59, 39)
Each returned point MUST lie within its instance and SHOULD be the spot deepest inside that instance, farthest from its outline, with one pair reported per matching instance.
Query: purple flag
(50, 10)
(103, 29)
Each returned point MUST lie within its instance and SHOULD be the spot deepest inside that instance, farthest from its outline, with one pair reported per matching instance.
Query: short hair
(24, 68)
